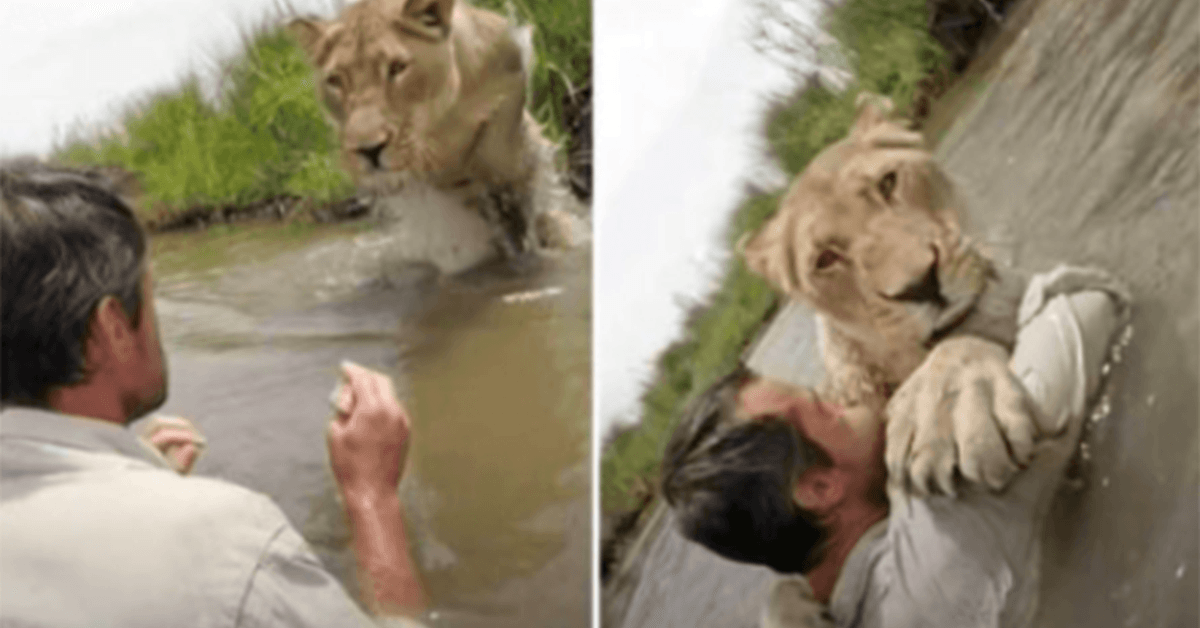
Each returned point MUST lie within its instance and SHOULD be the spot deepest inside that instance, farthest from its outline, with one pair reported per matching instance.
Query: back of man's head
(730, 482)
(66, 241)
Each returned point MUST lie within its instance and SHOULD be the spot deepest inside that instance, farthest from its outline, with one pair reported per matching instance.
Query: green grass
(267, 135)
(889, 51)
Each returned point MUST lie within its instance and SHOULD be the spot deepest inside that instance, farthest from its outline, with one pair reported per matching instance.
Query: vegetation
(266, 135)
(888, 50)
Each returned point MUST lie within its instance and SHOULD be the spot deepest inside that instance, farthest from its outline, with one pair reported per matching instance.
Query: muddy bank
(1077, 142)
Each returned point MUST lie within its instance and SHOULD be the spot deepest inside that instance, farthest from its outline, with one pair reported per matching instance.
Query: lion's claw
(961, 409)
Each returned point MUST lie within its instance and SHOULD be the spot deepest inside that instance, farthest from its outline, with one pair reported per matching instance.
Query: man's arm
(368, 446)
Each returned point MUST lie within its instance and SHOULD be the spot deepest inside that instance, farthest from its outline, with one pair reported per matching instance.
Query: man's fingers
(171, 436)
(184, 457)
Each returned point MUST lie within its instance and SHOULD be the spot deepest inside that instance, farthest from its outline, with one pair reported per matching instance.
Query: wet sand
(255, 322)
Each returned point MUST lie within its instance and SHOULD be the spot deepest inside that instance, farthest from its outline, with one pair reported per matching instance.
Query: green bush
(264, 136)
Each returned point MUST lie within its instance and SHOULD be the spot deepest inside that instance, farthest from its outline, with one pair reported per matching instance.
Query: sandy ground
(1079, 144)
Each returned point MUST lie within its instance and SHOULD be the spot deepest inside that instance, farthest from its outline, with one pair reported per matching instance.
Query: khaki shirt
(96, 532)
(974, 561)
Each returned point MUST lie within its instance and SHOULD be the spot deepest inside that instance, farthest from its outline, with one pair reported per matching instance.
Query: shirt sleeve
(291, 587)
(1059, 353)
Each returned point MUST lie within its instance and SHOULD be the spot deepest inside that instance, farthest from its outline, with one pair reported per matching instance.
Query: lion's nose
(924, 289)
(372, 153)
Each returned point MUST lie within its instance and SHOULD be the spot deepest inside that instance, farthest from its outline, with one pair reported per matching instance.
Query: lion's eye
(827, 258)
(429, 17)
(335, 81)
(395, 68)
(887, 185)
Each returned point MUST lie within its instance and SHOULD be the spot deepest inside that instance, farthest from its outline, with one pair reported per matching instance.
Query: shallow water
(255, 321)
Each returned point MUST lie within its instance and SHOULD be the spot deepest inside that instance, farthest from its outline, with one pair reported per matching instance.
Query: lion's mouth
(961, 282)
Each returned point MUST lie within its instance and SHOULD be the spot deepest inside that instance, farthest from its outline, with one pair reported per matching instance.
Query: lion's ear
(308, 31)
(768, 253)
(873, 110)
(430, 16)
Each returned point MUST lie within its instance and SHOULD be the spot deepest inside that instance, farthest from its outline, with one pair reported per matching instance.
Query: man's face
(852, 437)
(147, 375)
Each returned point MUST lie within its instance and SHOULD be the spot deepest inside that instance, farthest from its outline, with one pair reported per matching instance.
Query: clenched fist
(962, 408)
(368, 438)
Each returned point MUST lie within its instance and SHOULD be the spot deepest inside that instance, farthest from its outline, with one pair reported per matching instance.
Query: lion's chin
(382, 181)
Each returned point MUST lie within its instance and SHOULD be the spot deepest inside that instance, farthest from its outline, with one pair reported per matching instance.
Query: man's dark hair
(66, 241)
(730, 482)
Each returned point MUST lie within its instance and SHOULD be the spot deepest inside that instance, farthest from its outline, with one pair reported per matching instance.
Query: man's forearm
(387, 577)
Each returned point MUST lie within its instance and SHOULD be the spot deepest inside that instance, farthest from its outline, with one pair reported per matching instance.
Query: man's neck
(844, 535)
(90, 401)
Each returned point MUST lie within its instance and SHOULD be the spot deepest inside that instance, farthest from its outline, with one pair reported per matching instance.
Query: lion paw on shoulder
(963, 410)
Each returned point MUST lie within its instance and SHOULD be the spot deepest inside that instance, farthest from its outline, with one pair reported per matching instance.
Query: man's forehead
(759, 395)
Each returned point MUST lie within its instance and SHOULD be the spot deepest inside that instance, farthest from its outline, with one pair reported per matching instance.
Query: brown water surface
(494, 365)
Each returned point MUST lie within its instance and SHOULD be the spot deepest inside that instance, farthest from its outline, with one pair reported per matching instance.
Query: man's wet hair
(730, 482)
(67, 240)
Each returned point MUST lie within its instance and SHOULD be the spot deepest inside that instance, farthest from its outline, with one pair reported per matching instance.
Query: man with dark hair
(857, 550)
(730, 481)
(96, 530)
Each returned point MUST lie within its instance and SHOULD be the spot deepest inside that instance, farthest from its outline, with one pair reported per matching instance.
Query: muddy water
(494, 365)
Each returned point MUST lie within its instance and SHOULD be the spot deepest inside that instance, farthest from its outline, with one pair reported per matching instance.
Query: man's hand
(961, 408)
(368, 445)
(368, 439)
(179, 442)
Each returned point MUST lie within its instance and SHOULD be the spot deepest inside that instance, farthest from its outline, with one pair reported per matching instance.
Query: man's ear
(820, 489)
(432, 17)
(111, 334)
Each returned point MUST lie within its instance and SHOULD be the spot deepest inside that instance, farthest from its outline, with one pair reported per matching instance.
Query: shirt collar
(851, 585)
(77, 432)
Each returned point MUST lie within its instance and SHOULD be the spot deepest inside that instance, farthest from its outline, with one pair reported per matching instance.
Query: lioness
(431, 89)
(870, 236)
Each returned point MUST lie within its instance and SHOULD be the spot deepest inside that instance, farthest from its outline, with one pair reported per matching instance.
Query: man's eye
(827, 258)
(430, 17)
(335, 81)
(395, 68)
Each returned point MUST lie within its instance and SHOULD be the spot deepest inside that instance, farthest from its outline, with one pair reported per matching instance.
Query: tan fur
(438, 88)
(440, 85)
(870, 236)
(880, 246)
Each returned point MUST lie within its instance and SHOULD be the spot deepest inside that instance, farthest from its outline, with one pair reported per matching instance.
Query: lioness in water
(869, 235)
(434, 89)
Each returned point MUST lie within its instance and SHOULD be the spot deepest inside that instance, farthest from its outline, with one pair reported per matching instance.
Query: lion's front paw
(962, 408)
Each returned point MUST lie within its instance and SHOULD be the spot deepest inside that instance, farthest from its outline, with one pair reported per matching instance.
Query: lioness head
(869, 235)
(386, 70)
